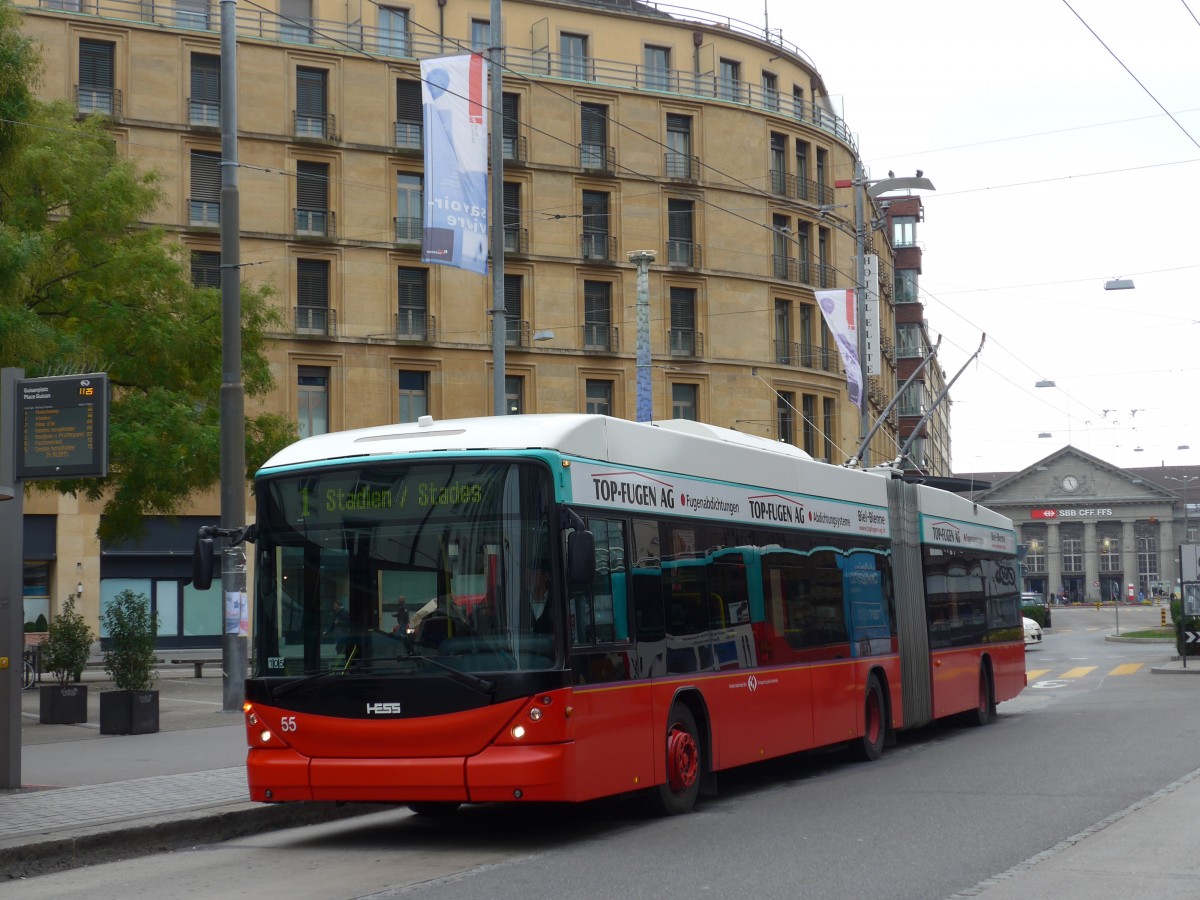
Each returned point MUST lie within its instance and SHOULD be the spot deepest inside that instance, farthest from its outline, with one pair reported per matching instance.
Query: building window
(510, 127)
(514, 234)
(822, 175)
(908, 340)
(904, 231)
(412, 304)
(595, 226)
(313, 216)
(393, 31)
(594, 152)
(912, 401)
(1072, 555)
(657, 74)
(782, 264)
(206, 269)
(573, 58)
(729, 81)
(598, 397)
(785, 423)
(784, 351)
(1110, 554)
(514, 394)
(312, 401)
(770, 89)
(414, 396)
(481, 35)
(684, 340)
(1035, 553)
(1147, 560)
(296, 20)
(808, 412)
(779, 173)
(204, 202)
(684, 401)
(906, 286)
(515, 327)
(192, 14)
(803, 252)
(408, 114)
(679, 160)
(204, 106)
(803, 188)
(96, 91)
(829, 411)
(797, 102)
(597, 315)
(312, 297)
(826, 276)
(312, 118)
(681, 248)
(409, 207)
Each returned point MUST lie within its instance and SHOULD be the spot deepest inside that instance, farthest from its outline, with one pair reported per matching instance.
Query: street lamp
(1048, 383)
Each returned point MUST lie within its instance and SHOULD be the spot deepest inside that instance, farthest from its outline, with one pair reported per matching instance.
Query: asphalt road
(943, 810)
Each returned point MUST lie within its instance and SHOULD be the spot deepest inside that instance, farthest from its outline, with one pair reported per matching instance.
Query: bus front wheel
(684, 764)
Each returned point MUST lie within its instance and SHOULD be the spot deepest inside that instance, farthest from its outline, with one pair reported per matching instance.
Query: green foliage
(1037, 612)
(65, 649)
(40, 624)
(87, 285)
(130, 624)
(1184, 623)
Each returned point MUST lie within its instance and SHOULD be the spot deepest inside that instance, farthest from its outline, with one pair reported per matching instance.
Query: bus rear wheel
(985, 706)
(870, 746)
(684, 764)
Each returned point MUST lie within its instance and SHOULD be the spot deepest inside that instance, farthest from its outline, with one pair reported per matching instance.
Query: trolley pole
(645, 389)
(496, 211)
(12, 553)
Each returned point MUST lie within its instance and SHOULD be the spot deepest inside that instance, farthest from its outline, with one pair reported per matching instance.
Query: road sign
(1191, 637)
(1189, 562)
(62, 427)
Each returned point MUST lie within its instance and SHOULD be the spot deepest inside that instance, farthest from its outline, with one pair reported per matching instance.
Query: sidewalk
(88, 798)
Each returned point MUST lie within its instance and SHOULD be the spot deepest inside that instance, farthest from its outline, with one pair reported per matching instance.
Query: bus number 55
(287, 723)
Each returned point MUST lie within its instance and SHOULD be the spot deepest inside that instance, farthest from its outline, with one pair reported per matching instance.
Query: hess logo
(383, 709)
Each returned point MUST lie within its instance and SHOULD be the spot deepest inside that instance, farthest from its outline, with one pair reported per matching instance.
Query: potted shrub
(132, 708)
(64, 654)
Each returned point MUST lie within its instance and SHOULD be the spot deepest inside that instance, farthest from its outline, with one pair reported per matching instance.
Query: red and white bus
(565, 607)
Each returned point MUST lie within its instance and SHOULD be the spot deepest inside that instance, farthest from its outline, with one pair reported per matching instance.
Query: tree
(87, 285)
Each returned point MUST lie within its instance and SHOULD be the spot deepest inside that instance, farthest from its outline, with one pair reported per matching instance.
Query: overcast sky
(1055, 171)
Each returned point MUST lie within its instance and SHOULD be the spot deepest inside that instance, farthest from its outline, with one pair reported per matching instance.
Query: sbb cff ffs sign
(62, 427)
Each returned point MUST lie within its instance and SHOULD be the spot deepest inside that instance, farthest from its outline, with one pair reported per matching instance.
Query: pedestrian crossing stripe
(1080, 671)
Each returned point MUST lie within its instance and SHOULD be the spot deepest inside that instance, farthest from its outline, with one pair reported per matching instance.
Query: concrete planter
(62, 704)
(128, 712)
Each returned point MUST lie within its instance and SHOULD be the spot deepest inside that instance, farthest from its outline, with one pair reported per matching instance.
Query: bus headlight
(518, 732)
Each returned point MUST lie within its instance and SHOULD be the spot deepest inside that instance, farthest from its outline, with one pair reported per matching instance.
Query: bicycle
(29, 672)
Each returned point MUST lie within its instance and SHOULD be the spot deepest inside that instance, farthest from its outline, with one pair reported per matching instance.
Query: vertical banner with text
(838, 308)
(870, 322)
(455, 231)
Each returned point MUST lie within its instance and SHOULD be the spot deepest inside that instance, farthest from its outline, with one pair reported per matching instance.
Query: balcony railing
(315, 126)
(516, 332)
(515, 148)
(351, 37)
(597, 157)
(785, 268)
(683, 253)
(415, 325)
(597, 245)
(205, 113)
(314, 222)
(681, 166)
(826, 275)
(204, 213)
(686, 342)
(600, 338)
(516, 240)
(409, 136)
(788, 185)
(93, 99)
(408, 229)
(316, 320)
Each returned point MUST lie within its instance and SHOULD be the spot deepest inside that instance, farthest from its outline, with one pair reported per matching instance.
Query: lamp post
(645, 397)
(873, 187)
(1185, 480)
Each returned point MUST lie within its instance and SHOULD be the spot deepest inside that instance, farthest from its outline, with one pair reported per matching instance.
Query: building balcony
(315, 223)
(597, 157)
(517, 333)
(204, 213)
(409, 136)
(516, 240)
(786, 184)
(408, 230)
(681, 166)
(415, 326)
(515, 148)
(204, 113)
(685, 342)
(315, 126)
(785, 268)
(315, 320)
(600, 338)
(684, 254)
(105, 101)
(598, 246)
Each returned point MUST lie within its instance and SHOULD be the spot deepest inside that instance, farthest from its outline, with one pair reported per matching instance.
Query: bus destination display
(62, 427)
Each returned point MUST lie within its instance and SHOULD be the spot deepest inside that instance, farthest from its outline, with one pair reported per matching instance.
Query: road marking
(1078, 671)
(1034, 674)
(1126, 668)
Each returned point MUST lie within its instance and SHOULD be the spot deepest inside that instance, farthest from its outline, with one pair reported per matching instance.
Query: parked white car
(1033, 633)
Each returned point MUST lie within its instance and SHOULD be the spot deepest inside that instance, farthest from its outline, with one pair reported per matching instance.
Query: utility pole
(233, 402)
(496, 152)
(12, 582)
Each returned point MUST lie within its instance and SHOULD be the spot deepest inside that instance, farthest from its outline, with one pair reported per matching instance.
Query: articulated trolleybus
(565, 607)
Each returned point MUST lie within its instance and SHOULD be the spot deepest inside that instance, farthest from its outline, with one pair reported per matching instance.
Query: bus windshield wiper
(466, 678)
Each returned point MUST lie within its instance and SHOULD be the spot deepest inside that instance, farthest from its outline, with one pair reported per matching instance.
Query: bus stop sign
(62, 427)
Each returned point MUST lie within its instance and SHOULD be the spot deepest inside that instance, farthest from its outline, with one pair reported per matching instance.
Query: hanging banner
(455, 231)
(839, 310)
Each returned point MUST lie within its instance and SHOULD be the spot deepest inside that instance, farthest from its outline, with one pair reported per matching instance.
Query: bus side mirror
(581, 559)
(202, 563)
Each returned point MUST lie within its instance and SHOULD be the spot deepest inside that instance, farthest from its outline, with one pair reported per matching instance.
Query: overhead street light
(1119, 284)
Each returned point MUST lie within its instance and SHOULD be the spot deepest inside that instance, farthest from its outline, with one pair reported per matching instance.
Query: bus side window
(645, 573)
(601, 615)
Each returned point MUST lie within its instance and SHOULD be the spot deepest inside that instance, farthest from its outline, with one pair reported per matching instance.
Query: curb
(43, 854)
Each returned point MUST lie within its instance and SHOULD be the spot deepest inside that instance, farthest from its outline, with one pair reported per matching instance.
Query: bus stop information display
(62, 427)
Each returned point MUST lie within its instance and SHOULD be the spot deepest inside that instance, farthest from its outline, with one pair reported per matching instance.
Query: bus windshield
(400, 567)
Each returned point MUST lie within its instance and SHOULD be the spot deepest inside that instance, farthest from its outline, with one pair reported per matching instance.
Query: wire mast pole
(496, 213)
